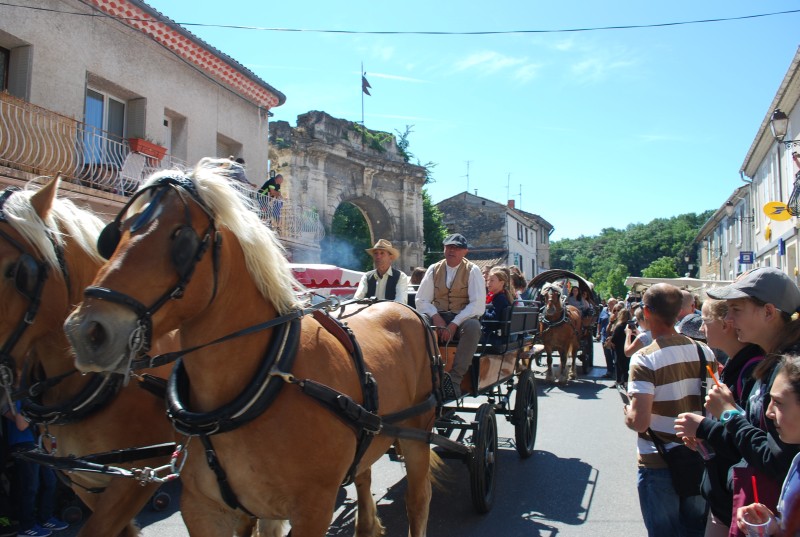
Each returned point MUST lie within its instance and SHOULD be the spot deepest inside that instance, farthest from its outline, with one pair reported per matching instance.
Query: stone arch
(325, 163)
(377, 216)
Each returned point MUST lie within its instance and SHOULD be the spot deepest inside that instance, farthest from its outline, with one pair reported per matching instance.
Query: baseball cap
(456, 239)
(767, 284)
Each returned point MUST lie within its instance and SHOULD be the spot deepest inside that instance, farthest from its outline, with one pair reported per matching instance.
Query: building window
(526, 237)
(105, 124)
(5, 57)
(519, 232)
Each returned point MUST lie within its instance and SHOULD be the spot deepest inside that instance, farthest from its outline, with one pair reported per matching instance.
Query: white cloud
(395, 77)
(486, 63)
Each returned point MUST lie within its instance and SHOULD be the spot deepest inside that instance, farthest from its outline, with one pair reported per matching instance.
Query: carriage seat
(510, 332)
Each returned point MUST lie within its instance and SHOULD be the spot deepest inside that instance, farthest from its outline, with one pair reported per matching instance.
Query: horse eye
(24, 272)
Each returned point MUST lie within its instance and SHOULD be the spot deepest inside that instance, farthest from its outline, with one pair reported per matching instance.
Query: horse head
(47, 254)
(553, 305)
(175, 250)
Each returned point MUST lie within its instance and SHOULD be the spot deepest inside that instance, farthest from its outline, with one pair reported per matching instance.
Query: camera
(632, 324)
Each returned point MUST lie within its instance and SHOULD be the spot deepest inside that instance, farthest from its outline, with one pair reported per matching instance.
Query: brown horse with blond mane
(48, 255)
(275, 396)
(559, 326)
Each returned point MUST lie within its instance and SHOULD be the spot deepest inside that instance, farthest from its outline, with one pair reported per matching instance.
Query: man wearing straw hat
(383, 283)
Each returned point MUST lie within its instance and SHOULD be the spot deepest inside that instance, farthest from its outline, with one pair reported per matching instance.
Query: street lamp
(729, 209)
(779, 125)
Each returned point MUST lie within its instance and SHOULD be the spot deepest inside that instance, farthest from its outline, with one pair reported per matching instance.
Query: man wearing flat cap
(383, 283)
(452, 295)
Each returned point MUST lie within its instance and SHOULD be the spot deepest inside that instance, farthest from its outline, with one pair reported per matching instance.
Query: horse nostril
(96, 335)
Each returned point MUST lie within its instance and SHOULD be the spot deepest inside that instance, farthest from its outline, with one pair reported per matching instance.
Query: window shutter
(136, 118)
(19, 72)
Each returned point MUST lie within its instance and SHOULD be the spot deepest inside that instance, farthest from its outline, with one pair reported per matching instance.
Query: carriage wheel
(482, 464)
(588, 356)
(526, 414)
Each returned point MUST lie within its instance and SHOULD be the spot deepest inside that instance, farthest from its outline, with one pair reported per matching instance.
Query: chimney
(510, 204)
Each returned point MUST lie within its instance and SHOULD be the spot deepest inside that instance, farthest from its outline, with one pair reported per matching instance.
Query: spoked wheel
(526, 414)
(482, 464)
(588, 357)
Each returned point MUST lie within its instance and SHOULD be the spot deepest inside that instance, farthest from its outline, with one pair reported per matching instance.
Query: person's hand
(686, 426)
(755, 513)
(719, 399)
(438, 321)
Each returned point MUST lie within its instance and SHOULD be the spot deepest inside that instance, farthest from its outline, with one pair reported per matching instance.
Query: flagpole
(362, 97)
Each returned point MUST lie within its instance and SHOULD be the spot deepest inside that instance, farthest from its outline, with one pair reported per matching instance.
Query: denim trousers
(33, 482)
(665, 513)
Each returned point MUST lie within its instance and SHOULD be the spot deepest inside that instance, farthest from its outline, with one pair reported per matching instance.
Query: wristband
(728, 415)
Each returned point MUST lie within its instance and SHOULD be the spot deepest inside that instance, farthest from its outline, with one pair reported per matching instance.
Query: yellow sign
(777, 210)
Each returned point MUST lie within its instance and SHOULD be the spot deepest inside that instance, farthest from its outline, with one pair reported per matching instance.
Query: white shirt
(476, 289)
(401, 291)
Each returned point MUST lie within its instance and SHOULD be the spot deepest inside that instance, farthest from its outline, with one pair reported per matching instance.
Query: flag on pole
(365, 87)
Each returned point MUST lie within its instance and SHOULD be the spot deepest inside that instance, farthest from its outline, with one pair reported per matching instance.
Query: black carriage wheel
(526, 414)
(588, 356)
(482, 464)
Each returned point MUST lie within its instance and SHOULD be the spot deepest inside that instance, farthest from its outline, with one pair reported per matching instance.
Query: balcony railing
(39, 141)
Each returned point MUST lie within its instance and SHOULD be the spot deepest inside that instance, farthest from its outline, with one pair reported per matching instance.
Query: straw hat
(383, 244)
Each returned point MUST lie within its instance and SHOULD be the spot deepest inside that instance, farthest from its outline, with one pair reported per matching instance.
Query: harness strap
(222, 478)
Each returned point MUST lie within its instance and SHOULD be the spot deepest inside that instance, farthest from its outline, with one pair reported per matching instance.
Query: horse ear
(42, 200)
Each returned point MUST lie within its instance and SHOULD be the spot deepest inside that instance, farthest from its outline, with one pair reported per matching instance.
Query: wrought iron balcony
(39, 141)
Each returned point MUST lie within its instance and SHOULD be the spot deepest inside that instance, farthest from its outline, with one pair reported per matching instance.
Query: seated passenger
(384, 282)
(499, 284)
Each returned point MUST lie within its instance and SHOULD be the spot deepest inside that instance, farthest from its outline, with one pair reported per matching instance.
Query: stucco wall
(67, 49)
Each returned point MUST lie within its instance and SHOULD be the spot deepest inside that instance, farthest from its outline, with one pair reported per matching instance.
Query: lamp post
(779, 125)
(729, 209)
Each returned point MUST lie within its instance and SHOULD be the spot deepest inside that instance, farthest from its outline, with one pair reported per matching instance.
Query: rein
(548, 324)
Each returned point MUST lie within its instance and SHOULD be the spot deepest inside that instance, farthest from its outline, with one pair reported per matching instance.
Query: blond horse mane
(264, 255)
(63, 219)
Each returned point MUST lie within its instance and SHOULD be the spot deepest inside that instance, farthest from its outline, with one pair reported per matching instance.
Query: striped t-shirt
(669, 370)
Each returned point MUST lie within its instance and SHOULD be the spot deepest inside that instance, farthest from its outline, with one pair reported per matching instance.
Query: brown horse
(48, 255)
(559, 326)
(286, 458)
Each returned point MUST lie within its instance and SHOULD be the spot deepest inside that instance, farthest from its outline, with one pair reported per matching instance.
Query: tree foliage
(658, 247)
(433, 229)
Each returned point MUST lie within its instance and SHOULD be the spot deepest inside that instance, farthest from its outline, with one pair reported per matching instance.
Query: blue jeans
(33, 482)
(665, 513)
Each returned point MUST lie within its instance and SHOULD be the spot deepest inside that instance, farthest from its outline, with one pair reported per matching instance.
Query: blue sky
(596, 129)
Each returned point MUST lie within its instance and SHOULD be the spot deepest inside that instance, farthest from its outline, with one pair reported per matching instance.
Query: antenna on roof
(508, 185)
(520, 196)
(467, 176)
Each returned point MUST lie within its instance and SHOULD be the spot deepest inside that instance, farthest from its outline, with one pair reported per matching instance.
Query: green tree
(663, 267)
(433, 229)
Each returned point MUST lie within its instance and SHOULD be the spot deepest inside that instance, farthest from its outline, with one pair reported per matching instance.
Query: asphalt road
(581, 480)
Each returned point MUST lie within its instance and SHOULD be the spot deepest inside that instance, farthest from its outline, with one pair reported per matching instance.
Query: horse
(48, 255)
(559, 326)
(284, 453)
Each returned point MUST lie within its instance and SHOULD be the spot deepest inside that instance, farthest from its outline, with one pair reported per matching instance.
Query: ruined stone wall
(483, 224)
(326, 162)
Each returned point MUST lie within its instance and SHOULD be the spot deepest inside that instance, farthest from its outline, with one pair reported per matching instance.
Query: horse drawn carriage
(567, 331)
(285, 400)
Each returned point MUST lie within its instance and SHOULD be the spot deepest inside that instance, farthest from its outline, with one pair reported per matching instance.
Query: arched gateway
(327, 161)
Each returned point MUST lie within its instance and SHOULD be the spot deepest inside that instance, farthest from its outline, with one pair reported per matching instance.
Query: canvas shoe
(55, 524)
(7, 527)
(35, 531)
(449, 390)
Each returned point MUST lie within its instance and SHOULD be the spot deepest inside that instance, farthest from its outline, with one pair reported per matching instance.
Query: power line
(422, 32)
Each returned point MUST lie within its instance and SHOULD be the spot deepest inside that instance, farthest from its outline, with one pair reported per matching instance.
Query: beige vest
(456, 298)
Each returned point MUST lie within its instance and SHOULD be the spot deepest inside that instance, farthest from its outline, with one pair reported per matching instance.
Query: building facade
(105, 92)
(499, 234)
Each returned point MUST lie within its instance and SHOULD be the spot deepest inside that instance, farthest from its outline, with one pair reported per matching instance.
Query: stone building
(327, 161)
(499, 234)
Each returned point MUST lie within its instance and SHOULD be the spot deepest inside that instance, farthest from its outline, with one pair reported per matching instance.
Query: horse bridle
(30, 275)
(186, 252)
